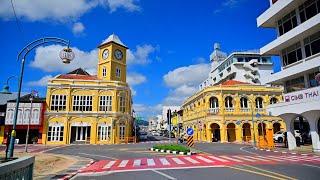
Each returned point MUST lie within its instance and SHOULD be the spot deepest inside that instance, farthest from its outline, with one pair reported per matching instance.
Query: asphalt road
(252, 171)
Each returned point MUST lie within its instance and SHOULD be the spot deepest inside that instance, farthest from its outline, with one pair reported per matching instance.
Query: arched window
(26, 115)
(35, 114)
(243, 102)
(214, 103)
(228, 102)
(259, 103)
(273, 100)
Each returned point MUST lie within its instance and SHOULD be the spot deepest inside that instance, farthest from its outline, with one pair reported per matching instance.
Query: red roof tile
(232, 82)
(77, 76)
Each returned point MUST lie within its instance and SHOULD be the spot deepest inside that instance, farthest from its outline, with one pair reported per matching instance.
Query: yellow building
(95, 109)
(224, 112)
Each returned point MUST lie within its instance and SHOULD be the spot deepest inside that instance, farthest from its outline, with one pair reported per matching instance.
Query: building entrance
(80, 134)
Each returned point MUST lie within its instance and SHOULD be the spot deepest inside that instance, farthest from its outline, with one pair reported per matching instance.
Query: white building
(248, 67)
(297, 23)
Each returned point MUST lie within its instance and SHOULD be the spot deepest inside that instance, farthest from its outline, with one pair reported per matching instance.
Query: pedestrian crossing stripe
(194, 161)
(190, 141)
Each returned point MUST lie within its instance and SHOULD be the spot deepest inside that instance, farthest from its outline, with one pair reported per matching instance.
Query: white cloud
(147, 110)
(47, 59)
(135, 79)
(41, 82)
(188, 75)
(78, 28)
(141, 55)
(60, 10)
(184, 82)
(228, 4)
(129, 5)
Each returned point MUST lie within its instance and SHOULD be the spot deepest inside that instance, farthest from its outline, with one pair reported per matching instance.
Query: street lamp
(33, 95)
(66, 55)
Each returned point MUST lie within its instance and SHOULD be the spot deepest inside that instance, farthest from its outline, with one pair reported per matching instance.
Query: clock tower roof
(113, 38)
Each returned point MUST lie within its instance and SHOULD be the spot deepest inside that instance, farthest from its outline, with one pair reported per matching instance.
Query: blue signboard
(190, 131)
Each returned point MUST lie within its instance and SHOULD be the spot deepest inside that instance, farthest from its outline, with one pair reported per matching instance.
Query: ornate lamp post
(66, 55)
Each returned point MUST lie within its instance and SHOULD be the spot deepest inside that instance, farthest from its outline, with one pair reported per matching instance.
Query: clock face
(118, 54)
(105, 54)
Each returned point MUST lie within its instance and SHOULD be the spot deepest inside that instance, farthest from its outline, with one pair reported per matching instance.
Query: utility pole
(169, 122)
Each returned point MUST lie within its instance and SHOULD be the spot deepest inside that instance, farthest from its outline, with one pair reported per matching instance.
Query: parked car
(143, 136)
(155, 133)
(279, 136)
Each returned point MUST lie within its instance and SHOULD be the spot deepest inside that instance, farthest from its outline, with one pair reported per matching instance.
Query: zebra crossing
(172, 162)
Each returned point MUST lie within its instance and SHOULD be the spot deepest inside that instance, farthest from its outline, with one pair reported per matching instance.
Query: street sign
(190, 141)
(190, 131)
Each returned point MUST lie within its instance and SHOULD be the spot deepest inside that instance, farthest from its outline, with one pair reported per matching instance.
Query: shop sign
(307, 94)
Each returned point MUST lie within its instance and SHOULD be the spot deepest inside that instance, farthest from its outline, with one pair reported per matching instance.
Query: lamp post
(33, 94)
(66, 55)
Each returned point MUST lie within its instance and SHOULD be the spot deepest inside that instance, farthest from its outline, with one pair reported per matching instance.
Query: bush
(172, 147)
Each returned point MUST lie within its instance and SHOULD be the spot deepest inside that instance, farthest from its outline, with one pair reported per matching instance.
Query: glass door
(122, 132)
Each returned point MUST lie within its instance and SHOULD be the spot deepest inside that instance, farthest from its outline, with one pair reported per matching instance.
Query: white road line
(98, 156)
(285, 158)
(311, 166)
(244, 158)
(204, 159)
(271, 159)
(150, 162)
(123, 163)
(178, 161)
(218, 159)
(137, 162)
(257, 158)
(231, 159)
(164, 161)
(163, 174)
(191, 160)
(241, 149)
(109, 165)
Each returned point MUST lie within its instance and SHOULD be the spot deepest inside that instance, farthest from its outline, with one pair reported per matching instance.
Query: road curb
(172, 152)
(287, 152)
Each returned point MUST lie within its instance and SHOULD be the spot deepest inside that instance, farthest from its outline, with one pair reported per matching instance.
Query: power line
(17, 20)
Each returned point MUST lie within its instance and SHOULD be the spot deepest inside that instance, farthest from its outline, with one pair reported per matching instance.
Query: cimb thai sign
(307, 94)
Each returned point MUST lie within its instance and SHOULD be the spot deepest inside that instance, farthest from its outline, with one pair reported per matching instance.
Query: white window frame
(58, 102)
(259, 104)
(104, 72)
(55, 133)
(81, 103)
(105, 103)
(104, 132)
(118, 72)
(122, 103)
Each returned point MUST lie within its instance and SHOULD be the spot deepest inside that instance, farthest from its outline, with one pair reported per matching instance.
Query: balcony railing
(213, 110)
(230, 109)
(245, 110)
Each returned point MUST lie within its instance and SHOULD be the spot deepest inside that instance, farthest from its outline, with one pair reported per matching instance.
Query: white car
(279, 136)
(155, 133)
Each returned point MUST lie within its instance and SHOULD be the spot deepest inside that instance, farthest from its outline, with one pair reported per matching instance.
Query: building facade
(32, 114)
(225, 112)
(297, 23)
(249, 67)
(95, 109)
(5, 96)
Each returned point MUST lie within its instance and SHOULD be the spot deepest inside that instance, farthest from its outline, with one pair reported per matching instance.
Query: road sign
(190, 141)
(190, 131)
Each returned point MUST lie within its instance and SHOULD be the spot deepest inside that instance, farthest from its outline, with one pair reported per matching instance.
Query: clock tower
(112, 65)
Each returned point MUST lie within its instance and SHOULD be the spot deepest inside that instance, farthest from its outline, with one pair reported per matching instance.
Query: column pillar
(238, 133)
(288, 119)
(223, 133)
(93, 133)
(209, 135)
(312, 118)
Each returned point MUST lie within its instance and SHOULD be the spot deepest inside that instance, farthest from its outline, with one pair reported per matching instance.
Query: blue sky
(169, 40)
